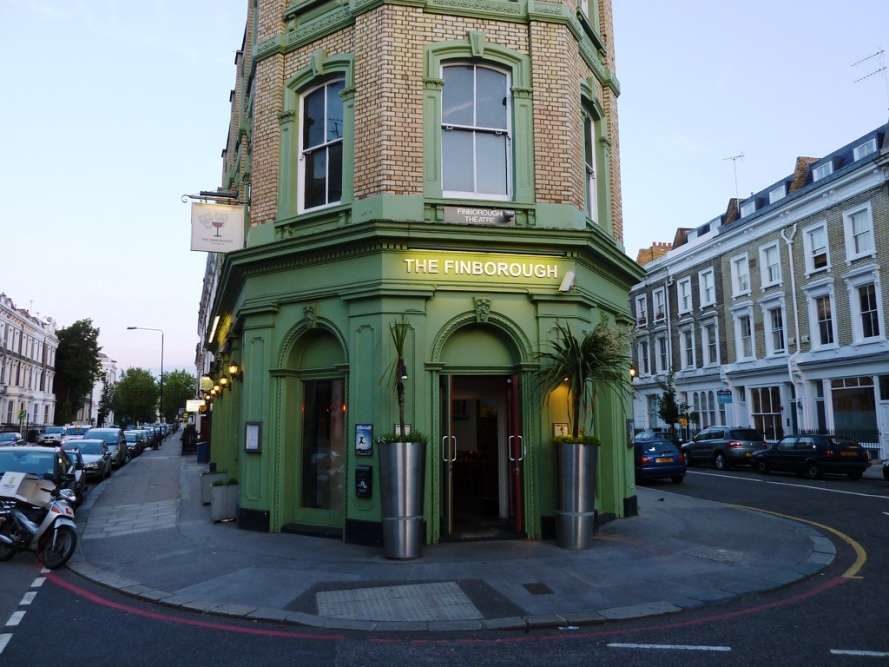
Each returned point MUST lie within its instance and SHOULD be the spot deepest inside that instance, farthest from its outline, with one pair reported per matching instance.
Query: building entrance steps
(679, 553)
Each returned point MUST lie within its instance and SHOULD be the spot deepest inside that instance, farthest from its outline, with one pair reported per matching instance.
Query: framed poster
(364, 439)
(253, 437)
(560, 430)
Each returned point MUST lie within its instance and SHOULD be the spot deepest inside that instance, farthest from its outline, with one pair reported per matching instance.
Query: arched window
(476, 132)
(321, 146)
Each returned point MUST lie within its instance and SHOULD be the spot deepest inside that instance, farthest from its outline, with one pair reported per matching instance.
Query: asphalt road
(73, 622)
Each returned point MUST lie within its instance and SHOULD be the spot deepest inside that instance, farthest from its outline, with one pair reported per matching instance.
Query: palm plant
(399, 330)
(586, 362)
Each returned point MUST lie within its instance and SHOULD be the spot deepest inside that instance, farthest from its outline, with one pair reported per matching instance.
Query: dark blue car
(659, 458)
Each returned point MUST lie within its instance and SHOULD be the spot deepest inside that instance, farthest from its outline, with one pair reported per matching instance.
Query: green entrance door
(481, 456)
(322, 455)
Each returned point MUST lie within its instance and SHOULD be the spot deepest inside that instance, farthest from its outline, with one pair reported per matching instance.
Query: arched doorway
(481, 443)
(314, 459)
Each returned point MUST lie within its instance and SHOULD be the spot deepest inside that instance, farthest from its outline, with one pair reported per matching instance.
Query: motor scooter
(34, 518)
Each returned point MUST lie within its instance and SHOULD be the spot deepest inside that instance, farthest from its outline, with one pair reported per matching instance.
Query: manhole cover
(538, 588)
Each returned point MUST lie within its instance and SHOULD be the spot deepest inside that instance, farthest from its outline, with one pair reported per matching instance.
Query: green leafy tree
(105, 401)
(179, 386)
(77, 367)
(135, 397)
(667, 405)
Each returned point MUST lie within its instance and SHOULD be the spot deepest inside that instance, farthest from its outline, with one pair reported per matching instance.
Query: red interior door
(516, 448)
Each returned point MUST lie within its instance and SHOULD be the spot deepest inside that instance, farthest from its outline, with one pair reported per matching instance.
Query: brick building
(781, 303)
(451, 163)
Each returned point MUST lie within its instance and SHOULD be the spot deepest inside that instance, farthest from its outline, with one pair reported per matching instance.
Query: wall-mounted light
(217, 388)
(223, 381)
(233, 369)
(632, 371)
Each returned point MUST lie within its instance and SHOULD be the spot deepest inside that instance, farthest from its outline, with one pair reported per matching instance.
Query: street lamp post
(161, 331)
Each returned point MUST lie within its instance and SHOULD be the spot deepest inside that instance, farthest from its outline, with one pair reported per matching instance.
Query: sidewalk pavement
(875, 471)
(147, 535)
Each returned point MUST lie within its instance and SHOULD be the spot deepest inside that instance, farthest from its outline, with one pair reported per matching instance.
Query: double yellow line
(860, 554)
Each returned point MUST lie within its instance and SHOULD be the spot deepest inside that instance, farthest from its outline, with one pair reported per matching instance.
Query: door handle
(509, 448)
(522, 448)
(454, 443)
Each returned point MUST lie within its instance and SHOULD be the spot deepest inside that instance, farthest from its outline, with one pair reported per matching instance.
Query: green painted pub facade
(482, 257)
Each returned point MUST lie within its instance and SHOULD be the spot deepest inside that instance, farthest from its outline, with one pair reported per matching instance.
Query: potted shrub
(402, 469)
(586, 363)
(207, 480)
(224, 496)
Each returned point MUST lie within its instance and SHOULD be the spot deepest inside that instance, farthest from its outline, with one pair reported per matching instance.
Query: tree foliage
(77, 367)
(669, 409)
(135, 397)
(594, 359)
(179, 386)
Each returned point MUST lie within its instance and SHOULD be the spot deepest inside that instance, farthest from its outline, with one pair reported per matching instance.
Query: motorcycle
(33, 522)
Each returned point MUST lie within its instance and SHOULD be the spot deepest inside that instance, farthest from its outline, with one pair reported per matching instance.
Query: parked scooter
(31, 521)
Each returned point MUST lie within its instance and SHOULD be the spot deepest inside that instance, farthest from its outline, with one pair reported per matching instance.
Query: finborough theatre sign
(484, 266)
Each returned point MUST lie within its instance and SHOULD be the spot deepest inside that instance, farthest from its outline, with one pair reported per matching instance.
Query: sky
(113, 109)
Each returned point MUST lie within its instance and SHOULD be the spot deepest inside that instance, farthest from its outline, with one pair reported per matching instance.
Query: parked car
(813, 456)
(78, 469)
(658, 457)
(51, 435)
(116, 442)
(11, 438)
(136, 442)
(48, 463)
(96, 457)
(74, 432)
(724, 446)
(886, 470)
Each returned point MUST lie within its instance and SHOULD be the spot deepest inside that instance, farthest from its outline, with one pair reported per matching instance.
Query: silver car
(96, 457)
(724, 446)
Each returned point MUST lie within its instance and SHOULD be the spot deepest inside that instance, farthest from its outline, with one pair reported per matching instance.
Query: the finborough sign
(483, 267)
(217, 227)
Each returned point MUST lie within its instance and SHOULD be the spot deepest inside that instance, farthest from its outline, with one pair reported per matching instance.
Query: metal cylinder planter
(575, 518)
(402, 475)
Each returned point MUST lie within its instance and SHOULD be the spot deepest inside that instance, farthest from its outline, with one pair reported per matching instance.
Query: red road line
(226, 627)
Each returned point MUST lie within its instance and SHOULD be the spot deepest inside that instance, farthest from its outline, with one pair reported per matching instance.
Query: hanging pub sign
(217, 227)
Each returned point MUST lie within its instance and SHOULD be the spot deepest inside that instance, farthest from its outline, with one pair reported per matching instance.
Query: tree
(105, 402)
(135, 397)
(77, 367)
(179, 386)
(669, 409)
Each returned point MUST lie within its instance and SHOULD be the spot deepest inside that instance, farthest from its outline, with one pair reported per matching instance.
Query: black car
(658, 457)
(116, 442)
(813, 456)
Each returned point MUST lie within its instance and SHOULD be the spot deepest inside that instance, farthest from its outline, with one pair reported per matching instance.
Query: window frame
(475, 129)
(783, 190)
(808, 249)
(659, 292)
(867, 276)
(764, 265)
(641, 317)
(768, 329)
(849, 232)
(644, 369)
(737, 316)
(822, 171)
(684, 283)
(591, 170)
(325, 145)
(662, 360)
(734, 262)
(701, 293)
(812, 296)
(747, 208)
(683, 350)
(705, 342)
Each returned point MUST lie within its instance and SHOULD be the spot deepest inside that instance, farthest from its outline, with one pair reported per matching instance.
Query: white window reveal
(859, 230)
(770, 264)
(710, 342)
(815, 242)
(865, 149)
(644, 367)
(740, 275)
(641, 309)
(775, 322)
(707, 288)
(589, 152)
(823, 307)
(660, 311)
(748, 207)
(744, 336)
(822, 171)
(688, 349)
(778, 193)
(684, 295)
(321, 147)
(662, 361)
(869, 311)
(475, 119)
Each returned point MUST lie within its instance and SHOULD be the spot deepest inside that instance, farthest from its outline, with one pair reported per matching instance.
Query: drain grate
(538, 588)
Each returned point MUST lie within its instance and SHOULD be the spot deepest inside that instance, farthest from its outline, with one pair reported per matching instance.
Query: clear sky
(112, 109)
